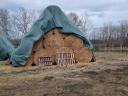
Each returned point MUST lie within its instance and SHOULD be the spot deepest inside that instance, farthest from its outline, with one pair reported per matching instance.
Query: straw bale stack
(55, 42)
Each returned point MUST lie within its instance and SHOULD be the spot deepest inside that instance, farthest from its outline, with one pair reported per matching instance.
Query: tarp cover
(6, 47)
(51, 17)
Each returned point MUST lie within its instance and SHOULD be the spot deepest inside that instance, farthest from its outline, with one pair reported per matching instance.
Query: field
(108, 76)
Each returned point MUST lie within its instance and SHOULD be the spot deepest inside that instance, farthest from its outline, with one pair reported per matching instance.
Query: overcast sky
(99, 11)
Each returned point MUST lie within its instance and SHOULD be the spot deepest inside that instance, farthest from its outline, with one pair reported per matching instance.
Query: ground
(108, 76)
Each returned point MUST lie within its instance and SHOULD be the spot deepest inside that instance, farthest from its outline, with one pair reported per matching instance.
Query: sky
(99, 11)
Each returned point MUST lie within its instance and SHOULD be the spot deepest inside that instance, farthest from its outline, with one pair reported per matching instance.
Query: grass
(2, 63)
(42, 81)
(78, 86)
(88, 86)
(86, 94)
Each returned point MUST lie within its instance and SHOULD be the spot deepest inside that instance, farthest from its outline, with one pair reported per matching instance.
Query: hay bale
(83, 55)
(73, 42)
(30, 60)
(38, 45)
(54, 39)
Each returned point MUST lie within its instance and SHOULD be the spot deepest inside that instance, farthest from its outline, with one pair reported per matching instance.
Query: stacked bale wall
(54, 42)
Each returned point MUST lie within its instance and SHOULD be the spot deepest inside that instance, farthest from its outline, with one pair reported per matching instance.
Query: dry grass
(106, 77)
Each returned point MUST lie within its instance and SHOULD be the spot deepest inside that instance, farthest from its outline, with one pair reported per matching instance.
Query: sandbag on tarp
(6, 47)
(52, 17)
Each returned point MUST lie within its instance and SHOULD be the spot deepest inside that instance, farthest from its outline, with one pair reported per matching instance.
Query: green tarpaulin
(6, 47)
(51, 17)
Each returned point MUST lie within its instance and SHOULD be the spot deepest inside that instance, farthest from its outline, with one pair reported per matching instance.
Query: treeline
(111, 37)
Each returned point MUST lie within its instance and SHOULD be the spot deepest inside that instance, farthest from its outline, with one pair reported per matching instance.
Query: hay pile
(55, 42)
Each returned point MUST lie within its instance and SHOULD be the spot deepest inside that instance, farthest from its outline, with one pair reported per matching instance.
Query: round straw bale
(54, 40)
(73, 42)
(30, 60)
(83, 55)
(38, 45)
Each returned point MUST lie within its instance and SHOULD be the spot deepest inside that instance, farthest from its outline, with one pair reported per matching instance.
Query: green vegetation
(86, 94)
(2, 63)
(88, 86)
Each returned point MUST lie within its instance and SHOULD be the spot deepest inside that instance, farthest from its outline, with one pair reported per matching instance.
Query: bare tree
(23, 19)
(84, 23)
(123, 32)
(4, 21)
(112, 36)
(74, 18)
